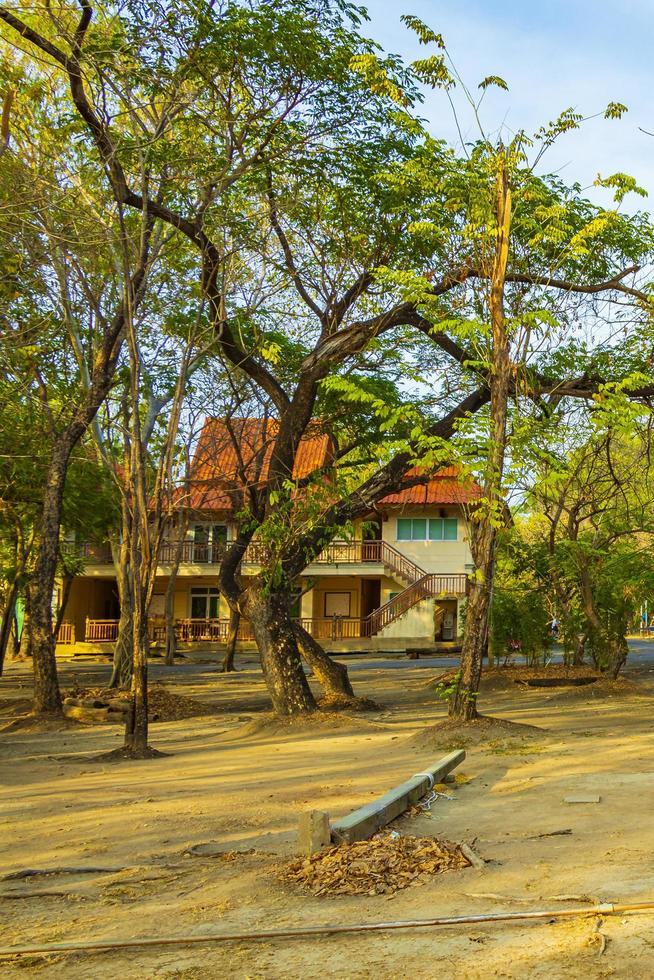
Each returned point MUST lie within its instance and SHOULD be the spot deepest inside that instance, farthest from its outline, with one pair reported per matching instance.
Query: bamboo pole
(605, 908)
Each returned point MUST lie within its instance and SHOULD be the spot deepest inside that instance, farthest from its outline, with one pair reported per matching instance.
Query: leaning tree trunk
(332, 676)
(268, 615)
(8, 614)
(15, 635)
(232, 636)
(463, 702)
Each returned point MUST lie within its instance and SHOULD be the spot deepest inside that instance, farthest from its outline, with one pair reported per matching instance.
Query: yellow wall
(432, 556)
(90, 598)
(336, 583)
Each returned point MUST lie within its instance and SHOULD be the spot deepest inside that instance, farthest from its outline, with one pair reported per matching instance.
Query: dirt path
(242, 785)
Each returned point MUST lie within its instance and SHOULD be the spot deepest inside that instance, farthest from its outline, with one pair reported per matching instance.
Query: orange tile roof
(444, 487)
(232, 455)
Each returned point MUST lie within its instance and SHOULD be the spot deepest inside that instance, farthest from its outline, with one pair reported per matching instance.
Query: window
(419, 529)
(443, 529)
(204, 603)
(411, 529)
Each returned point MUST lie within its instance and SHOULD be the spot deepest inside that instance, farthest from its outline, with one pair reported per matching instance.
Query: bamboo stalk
(606, 908)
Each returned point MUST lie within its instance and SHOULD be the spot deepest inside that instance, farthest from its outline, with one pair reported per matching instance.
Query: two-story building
(398, 583)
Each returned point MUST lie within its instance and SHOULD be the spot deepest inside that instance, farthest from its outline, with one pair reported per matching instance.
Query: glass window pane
(403, 529)
(436, 529)
(219, 533)
(213, 606)
(451, 524)
(419, 530)
(198, 607)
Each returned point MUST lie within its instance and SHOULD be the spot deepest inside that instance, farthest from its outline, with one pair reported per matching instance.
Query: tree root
(123, 752)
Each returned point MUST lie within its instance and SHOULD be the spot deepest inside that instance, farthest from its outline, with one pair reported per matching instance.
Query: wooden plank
(368, 819)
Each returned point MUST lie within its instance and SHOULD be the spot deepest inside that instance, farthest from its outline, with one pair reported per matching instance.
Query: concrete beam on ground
(367, 820)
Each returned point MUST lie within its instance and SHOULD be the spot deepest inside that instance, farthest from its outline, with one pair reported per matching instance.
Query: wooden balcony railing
(203, 553)
(101, 630)
(216, 630)
(66, 634)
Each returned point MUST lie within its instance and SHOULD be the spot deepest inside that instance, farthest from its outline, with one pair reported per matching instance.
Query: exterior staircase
(421, 585)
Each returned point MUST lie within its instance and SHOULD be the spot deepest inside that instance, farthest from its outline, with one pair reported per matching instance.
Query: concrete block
(367, 820)
(314, 831)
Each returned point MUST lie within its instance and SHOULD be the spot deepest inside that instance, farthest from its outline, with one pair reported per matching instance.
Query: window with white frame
(427, 529)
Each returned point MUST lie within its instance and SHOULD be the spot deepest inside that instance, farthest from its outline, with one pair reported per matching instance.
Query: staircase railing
(431, 584)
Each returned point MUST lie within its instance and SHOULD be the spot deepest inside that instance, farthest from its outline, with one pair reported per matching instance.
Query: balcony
(202, 553)
(216, 630)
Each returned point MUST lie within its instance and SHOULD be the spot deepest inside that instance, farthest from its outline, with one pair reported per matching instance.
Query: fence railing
(205, 553)
(216, 630)
(66, 634)
(101, 630)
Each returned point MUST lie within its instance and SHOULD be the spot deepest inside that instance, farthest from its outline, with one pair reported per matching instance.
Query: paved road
(641, 653)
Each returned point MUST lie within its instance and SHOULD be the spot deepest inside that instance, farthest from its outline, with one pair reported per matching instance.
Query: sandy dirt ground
(234, 780)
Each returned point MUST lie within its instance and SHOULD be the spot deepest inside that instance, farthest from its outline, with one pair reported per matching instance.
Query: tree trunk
(332, 676)
(47, 696)
(280, 659)
(121, 676)
(136, 729)
(463, 702)
(25, 646)
(232, 636)
(8, 614)
(171, 639)
(15, 635)
(579, 650)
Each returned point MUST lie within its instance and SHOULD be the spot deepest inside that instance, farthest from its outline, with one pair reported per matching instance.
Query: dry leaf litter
(380, 866)
(163, 705)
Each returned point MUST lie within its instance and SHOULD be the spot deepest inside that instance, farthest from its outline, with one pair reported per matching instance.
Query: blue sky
(552, 55)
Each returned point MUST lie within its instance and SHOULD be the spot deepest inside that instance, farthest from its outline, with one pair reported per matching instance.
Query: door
(204, 603)
(370, 596)
(209, 543)
(448, 625)
(371, 541)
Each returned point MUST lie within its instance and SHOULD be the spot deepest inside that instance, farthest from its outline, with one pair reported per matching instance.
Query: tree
(67, 241)
(593, 506)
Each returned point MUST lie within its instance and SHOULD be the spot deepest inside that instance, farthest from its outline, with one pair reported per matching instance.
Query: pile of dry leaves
(380, 866)
(163, 705)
